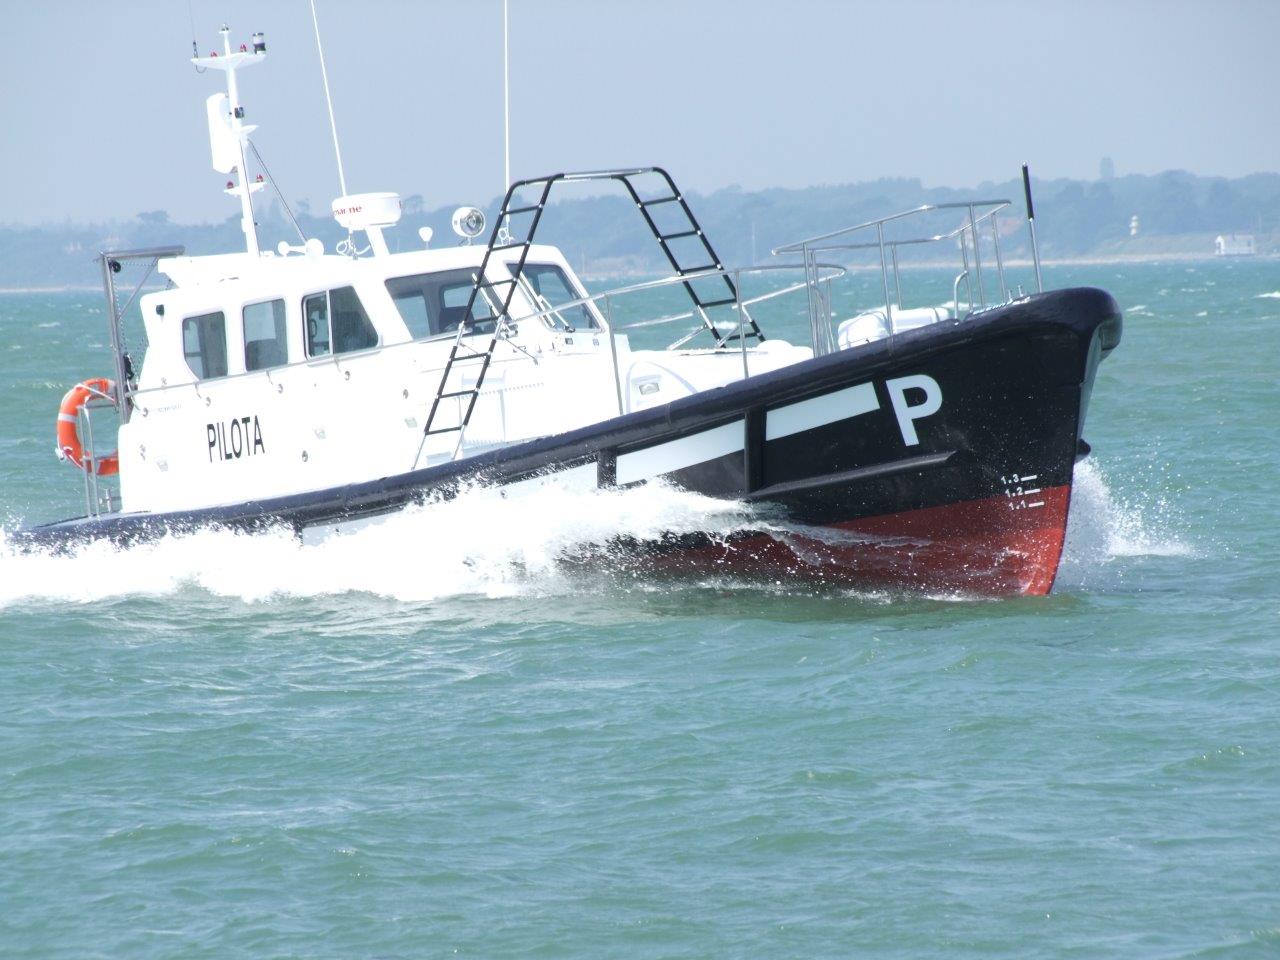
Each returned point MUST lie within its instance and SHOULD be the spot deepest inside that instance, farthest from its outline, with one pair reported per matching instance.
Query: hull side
(942, 458)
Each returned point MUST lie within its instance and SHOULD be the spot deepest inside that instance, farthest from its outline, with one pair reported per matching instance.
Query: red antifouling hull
(994, 546)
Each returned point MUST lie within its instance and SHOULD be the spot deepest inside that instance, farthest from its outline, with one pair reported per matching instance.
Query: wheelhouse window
(551, 286)
(204, 345)
(432, 304)
(336, 323)
(264, 335)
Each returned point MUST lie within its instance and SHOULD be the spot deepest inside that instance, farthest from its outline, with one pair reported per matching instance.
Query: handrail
(967, 231)
(837, 272)
(799, 245)
(955, 292)
(110, 263)
(749, 302)
(870, 245)
(146, 253)
(88, 463)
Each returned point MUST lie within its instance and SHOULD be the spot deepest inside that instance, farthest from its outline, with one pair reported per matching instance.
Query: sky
(103, 114)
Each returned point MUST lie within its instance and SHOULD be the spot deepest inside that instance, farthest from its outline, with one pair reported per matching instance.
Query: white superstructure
(270, 373)
(273, 375)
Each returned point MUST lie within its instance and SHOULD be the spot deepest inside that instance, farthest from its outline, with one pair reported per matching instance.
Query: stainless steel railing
(98, 497)
(601, 305)
(888, 247)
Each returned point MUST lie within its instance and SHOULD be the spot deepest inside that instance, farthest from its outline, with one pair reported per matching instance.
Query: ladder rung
(444, 430)
(654, 203)
(677, 236)
(458, 393)
(510, 246)
(707, 266)
(536, 206)
(717, 303)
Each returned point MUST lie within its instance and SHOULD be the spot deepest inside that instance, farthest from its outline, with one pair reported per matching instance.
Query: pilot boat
(921, 447)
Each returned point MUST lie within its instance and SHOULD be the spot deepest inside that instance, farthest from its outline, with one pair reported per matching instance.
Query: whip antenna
(506, 104)
(195, 49)
(328, 99)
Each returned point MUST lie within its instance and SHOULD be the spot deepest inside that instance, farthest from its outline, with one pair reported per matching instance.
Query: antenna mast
(228, 132)
(328, 99)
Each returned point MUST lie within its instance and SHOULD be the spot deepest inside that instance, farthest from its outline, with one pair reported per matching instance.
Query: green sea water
(437, 740)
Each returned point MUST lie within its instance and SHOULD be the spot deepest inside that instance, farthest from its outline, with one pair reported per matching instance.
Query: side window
(410, 299)
(204, 344)
(337, 323)
(315, 311)
(264, 335)
(453, 306)
(551, 284)
(432, 304)
(350, 324)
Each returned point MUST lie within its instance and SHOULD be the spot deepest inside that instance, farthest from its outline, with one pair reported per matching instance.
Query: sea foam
(487, 542)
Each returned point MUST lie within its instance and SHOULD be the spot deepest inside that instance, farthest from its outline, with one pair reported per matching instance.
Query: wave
(1273, 295)
(1103, 527)
(543, 540)
(484, 541)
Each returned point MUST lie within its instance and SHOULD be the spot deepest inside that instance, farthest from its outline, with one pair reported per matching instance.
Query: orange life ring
(69, 446)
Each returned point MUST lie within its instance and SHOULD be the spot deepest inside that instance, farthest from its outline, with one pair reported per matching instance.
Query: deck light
(468, 222)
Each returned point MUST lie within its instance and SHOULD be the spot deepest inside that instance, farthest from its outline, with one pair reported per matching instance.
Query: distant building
(1106, 169)
(1234, 245)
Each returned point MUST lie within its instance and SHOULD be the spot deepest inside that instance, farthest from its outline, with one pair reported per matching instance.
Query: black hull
(848, 441)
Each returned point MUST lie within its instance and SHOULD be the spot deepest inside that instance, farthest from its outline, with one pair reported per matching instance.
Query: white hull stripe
(819, 411)
(678, 454)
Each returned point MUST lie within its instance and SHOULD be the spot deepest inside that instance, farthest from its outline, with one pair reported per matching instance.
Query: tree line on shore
(1175, 211)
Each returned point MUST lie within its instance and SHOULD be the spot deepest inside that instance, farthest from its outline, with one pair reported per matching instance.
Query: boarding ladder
(683, 226)
(504, 292)
(686, 226)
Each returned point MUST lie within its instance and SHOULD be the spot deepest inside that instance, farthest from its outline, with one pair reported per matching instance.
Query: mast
(228, 133)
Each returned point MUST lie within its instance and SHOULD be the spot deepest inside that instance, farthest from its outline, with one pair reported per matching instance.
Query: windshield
(432, 304)
(552, 286)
